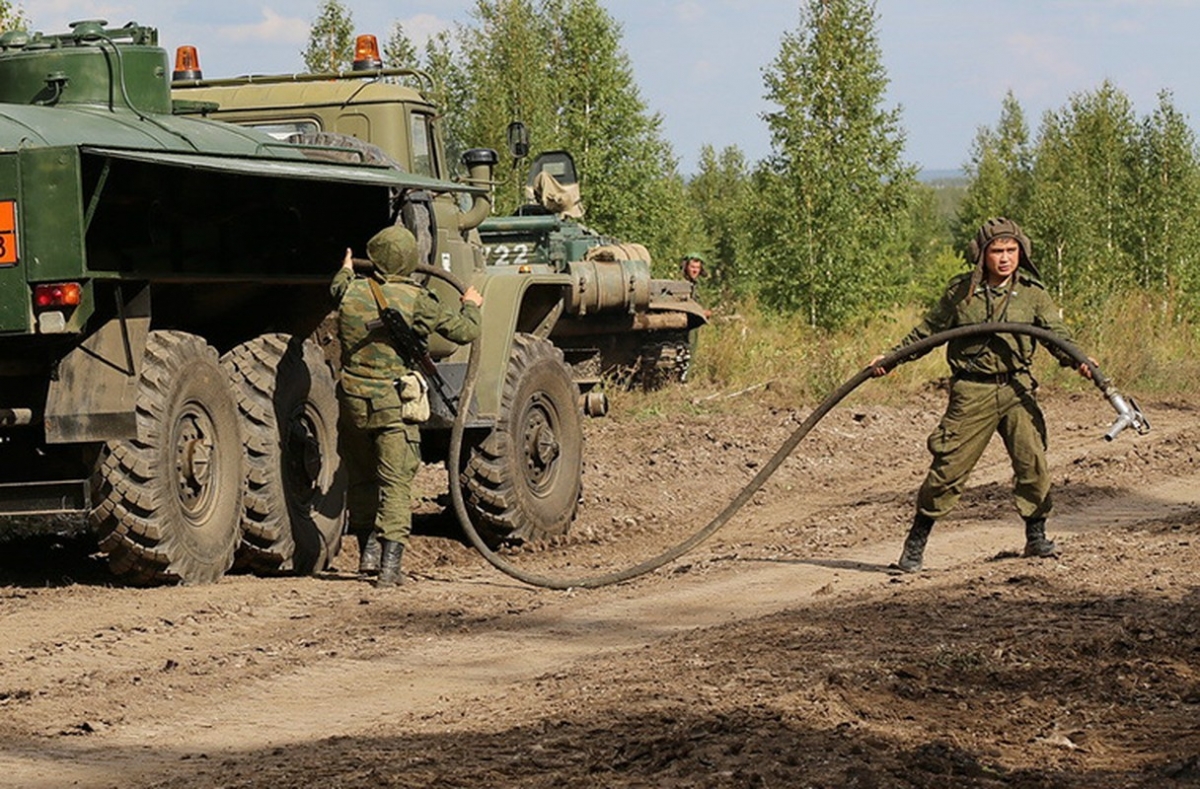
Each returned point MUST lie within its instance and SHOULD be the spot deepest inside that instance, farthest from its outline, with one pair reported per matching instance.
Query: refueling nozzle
(1128, 415)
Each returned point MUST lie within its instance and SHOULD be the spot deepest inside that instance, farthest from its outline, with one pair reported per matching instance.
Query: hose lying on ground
(1127, 416)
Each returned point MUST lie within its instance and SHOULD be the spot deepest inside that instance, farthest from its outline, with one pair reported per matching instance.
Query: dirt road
(780, 653)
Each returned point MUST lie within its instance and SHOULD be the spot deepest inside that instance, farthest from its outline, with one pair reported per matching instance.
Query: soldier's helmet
(1000, 227)
(393, 250)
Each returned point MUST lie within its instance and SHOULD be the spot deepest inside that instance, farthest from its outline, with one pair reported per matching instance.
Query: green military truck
(563, 306)
(165, 359)
(162, 282)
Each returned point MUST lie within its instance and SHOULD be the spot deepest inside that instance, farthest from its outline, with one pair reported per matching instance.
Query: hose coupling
(1128, 415)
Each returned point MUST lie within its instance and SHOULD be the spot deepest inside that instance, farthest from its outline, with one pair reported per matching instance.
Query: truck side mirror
(518, 140)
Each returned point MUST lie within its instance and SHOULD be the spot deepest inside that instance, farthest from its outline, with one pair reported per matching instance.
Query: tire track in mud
(332, 660)
(444, 678)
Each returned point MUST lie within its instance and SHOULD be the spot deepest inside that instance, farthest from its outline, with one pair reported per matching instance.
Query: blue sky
(699, 63)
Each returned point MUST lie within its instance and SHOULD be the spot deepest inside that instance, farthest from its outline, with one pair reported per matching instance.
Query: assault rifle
(411, 348)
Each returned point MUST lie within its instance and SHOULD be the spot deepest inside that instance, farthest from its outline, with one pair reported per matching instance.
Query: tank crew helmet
(393, 250)
(1000, 227)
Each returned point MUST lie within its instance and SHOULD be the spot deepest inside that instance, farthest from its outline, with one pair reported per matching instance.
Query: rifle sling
(381, 304)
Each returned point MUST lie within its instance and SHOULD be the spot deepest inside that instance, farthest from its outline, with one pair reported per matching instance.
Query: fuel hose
(1128, 415)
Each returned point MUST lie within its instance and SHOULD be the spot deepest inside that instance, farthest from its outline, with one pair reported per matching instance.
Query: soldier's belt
(996, 379)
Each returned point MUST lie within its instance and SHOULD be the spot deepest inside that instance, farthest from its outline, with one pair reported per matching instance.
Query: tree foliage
(832, 198)
(1084, 171)
(1000, 172)
(1107, 199)
(720, 192)
(452, 92)
(1166, 236)
(330, 39)
(507, 59)
(398, 50)
(558, 67)
(12, 16)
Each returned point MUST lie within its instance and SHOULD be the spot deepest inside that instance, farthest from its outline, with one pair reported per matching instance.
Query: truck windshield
(422, 144)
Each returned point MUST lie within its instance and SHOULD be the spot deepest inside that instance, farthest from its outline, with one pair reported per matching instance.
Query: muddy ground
(780, 653)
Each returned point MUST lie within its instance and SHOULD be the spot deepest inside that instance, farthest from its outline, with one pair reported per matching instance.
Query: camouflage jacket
(370, 362)
(1026, 301)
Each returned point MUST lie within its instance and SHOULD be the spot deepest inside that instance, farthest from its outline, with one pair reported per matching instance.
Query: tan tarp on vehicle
(561, 199)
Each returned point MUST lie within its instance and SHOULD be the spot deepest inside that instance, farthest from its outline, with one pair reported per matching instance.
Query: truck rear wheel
(295, 488)
(166, 503)
(522, 482)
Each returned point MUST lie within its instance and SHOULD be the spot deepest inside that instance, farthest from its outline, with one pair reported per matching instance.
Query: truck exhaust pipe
(480, 163)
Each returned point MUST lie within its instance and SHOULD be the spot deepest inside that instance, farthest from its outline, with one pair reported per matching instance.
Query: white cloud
(422, 27)
(273, 27)
(690, 11)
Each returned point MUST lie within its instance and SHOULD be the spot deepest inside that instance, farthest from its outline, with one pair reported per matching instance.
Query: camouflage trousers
(975, 413)
(381, 456)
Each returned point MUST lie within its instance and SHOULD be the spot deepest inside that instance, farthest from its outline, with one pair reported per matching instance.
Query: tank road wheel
(522, 482)
(166, 503)
(295, 491)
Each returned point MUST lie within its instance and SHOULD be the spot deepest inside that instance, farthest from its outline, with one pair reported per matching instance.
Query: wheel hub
(194, 462)
(541, 447)
(304, 460)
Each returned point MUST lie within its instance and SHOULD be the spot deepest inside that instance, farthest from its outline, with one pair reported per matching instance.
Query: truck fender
(529, 303)
(94, 391)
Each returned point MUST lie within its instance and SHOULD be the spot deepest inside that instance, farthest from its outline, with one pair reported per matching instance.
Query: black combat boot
(368, 553)
(1036, 543)
(389, 564)
(914, 543)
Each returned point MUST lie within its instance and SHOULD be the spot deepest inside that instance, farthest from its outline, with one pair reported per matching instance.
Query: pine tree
(330, 39)
(834, 193)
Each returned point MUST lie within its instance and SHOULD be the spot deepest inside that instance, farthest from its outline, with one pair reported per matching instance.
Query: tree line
(834, 224)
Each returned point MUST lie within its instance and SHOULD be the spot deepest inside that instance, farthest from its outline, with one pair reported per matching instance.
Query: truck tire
(522, 482)
(295, 487)
(166, 504)
(356, 151)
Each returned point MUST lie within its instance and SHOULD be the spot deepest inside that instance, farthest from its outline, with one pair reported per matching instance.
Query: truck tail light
(187, 64)
(61, 294)
(366, 53)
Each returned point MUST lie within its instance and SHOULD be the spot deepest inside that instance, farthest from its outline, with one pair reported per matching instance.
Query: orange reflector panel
(8, 232)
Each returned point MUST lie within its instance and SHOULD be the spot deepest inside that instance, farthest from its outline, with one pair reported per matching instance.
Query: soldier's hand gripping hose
(1128, 416)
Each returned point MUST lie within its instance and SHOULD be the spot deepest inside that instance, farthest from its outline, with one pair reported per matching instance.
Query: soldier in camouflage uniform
(991, 387)
(381, 451)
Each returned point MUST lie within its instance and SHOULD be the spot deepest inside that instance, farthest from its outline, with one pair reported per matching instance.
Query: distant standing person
(991, 387)
(381, 449)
